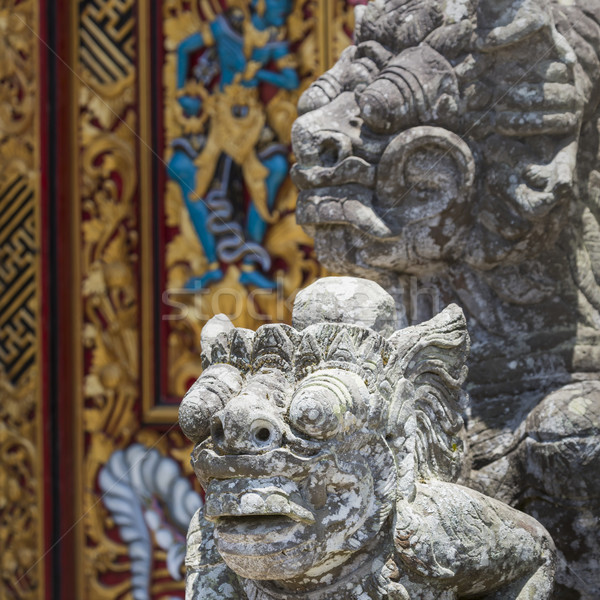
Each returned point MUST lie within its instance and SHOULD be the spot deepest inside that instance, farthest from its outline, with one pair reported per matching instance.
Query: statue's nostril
(329, 153)
(263, 432)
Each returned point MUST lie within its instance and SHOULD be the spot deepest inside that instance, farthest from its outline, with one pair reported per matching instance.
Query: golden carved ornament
(110, 334)
(17, 67)
(106, 57)
(21, 492)
(20, 517)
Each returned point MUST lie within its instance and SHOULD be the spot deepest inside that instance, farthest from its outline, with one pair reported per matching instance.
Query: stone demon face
(293, 476)
(448, 132)
(298, 429)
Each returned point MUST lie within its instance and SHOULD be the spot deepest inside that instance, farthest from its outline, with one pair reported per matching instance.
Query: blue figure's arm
(191, 44)
(190, 104)
(286, 78)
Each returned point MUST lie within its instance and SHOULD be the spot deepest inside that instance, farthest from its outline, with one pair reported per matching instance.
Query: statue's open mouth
(239, 499)
(351, 170)
(209, 465)
(272, 529)
(350, 204)
(271, 540)
(340, 195)
(242, 495)
(256, 517)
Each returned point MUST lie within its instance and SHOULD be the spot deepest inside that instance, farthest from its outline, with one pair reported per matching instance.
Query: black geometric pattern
(107, 39)
(18, 257)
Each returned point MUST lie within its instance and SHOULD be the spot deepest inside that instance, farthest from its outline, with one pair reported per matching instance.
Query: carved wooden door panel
(24, 268)
(145, 151)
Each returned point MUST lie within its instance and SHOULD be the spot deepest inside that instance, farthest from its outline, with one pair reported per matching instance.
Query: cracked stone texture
(452, 155)
(330, 454)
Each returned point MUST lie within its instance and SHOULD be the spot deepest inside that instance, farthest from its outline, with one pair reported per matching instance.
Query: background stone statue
(329, 453)
(457, 142)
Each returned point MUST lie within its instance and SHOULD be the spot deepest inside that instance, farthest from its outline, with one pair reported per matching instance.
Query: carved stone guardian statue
(452, 154)
(329, 452)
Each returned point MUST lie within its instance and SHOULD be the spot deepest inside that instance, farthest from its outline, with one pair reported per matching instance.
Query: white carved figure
(150, 501)
(330, 453)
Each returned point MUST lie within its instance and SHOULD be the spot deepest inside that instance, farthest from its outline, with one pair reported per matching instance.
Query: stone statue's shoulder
(441, 534)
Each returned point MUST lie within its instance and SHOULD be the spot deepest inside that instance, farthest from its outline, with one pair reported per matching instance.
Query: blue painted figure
(239, 46)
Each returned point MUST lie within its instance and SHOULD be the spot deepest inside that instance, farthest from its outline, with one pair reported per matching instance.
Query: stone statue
(329, 453)
(452, 154)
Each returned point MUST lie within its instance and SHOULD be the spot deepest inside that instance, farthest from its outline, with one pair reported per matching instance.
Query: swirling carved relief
(108, 259)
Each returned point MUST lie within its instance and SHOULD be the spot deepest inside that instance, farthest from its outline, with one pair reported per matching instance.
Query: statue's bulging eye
(196, 411)
(316, 411)
(330, 403)
(205, 398)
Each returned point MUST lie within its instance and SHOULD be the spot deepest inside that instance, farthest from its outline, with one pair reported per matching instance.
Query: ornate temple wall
(115, 116)
(24, 505)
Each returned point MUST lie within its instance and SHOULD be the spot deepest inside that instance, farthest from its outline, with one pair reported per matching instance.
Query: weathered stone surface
(330, 456)
(461, 141)
(346, 300)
